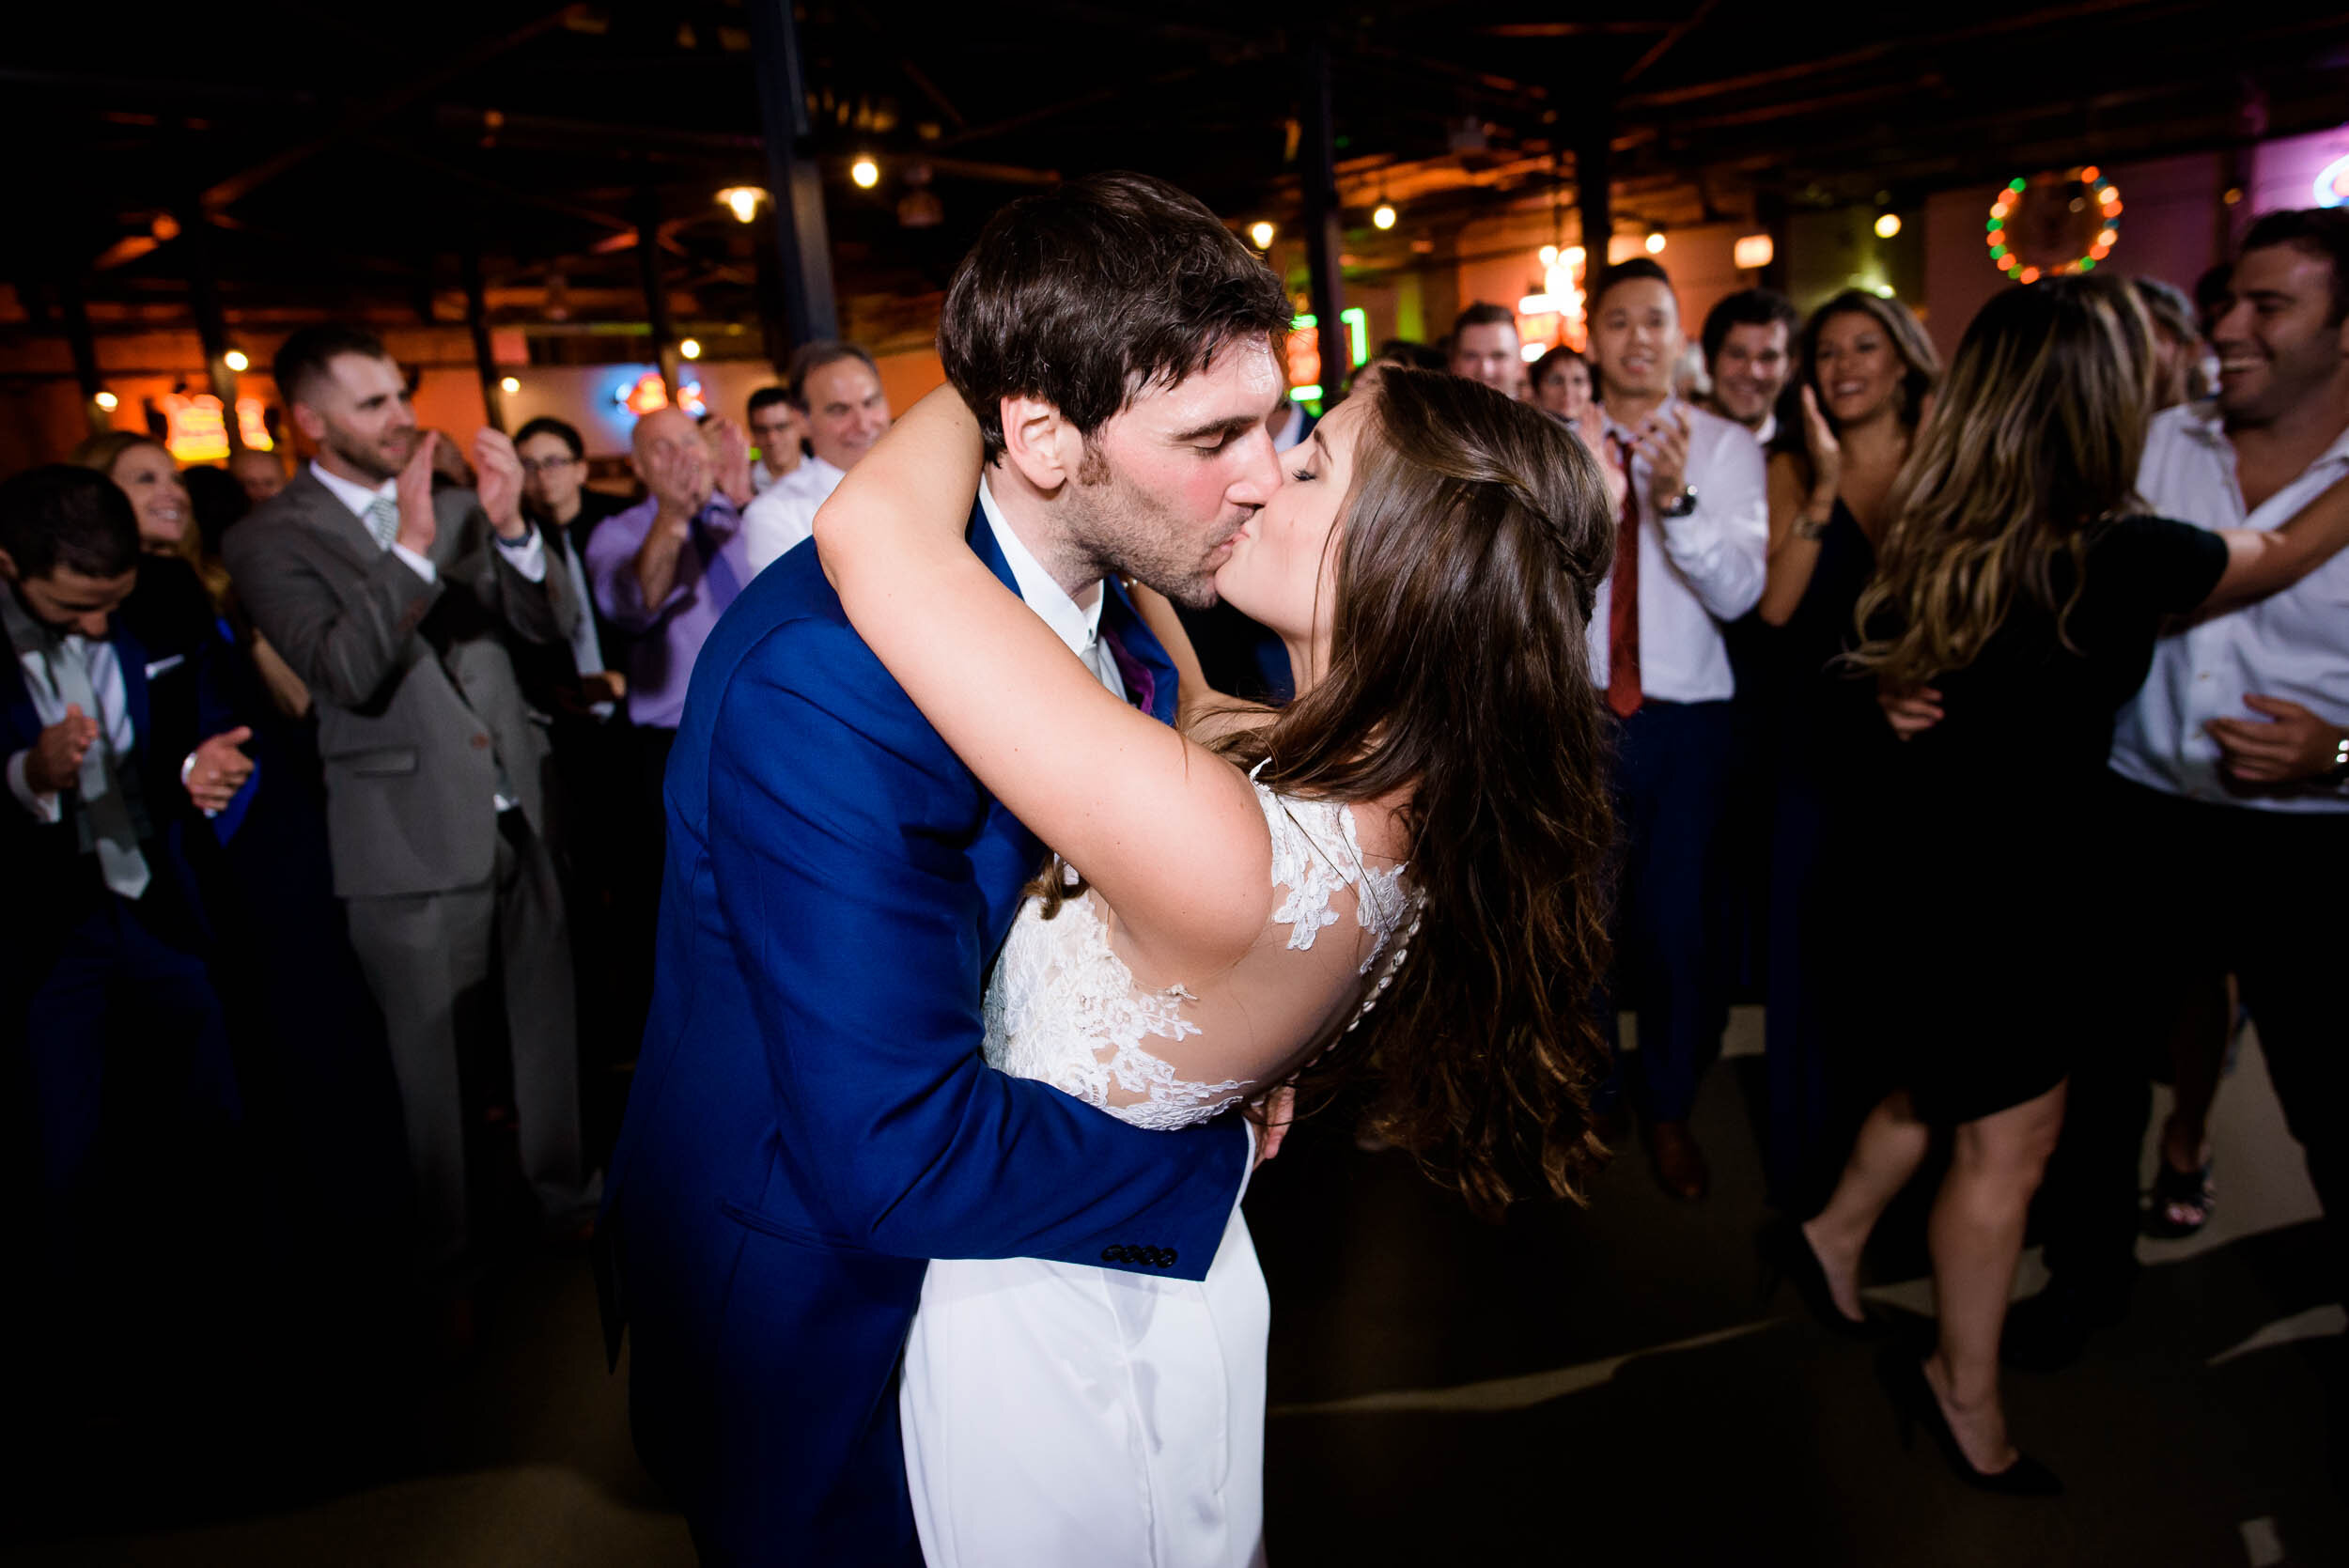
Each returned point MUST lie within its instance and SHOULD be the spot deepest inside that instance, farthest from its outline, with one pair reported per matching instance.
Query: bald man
(665, 570)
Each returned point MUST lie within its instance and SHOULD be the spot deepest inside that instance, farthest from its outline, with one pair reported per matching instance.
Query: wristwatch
(1682, 505)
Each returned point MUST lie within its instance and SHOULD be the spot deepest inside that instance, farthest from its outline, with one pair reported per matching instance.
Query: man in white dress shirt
(837, 389)
(778, 435)
(2231, 772)
(1689, 557)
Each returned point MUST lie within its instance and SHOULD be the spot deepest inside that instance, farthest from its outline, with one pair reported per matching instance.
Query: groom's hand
(1275, 1112)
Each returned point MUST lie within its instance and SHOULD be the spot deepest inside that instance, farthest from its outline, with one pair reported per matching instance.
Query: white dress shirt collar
(1078, 627)
(350, 493)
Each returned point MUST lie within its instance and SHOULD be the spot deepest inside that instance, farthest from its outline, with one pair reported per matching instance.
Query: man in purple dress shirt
(665, 570)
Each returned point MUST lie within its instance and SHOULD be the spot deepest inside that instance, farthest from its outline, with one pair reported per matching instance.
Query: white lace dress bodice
(1064, 1007)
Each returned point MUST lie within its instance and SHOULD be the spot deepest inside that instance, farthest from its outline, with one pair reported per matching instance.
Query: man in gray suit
(393, 603)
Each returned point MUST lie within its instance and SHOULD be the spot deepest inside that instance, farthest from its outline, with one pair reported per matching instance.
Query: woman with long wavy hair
(2014, 610)
(1398, 874)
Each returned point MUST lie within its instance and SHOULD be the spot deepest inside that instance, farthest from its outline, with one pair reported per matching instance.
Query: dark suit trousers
(447, 968)
(2204, 891)
(116, 999)
(1672, 778)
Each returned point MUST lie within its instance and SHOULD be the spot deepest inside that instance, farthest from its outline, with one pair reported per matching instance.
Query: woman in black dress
(1868, 371)
(2016, 601)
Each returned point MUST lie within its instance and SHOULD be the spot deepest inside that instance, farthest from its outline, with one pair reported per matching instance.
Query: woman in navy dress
(1868, 373)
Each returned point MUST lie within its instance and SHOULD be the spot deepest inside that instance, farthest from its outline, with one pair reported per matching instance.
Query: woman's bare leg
(1890, 1146)
(1977, 1237)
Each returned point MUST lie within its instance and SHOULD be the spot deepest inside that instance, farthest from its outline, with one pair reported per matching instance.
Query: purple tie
(1142, 686)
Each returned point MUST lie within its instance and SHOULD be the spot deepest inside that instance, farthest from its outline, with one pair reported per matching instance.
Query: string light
(1262, 233)
(1383, 217)
(690, 347)
(743, 201)
(1656, 243)
(234, 358)
(509, 383)
(1888, 225)
(864, 172)
(106, 400)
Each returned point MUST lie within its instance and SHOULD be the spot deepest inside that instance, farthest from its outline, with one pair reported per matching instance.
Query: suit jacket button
(1169, 1259)
(1112, 1254)
(480, 742)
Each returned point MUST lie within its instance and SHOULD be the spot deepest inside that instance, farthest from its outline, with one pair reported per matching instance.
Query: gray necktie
(382, 521)
(105, 813)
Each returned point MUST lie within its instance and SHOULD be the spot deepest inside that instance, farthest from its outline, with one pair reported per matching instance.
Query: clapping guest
(1693, 526)
(118, 743)
(394, 602)
(1562, 384)
(2017, 600)
(1868, 374)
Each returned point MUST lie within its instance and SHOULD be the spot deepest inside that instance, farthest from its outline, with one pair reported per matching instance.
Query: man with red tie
(1689, 555)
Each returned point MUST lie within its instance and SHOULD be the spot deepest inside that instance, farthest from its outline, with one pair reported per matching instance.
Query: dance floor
(1572, 1386)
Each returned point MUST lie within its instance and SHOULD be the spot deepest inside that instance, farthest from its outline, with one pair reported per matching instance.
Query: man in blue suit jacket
(812, 1119)
(118, 740)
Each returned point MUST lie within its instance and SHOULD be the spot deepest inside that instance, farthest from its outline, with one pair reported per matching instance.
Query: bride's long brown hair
(1470, 543)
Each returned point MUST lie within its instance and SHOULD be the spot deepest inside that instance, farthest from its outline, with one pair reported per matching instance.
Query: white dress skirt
(1062, 1415)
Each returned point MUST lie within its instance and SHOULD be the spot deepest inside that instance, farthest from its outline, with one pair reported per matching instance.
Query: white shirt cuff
(526, 555)
(45, 808)
(417, 564)
(187, 767)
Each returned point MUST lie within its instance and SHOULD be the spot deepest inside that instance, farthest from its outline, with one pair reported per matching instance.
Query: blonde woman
(2014, 611)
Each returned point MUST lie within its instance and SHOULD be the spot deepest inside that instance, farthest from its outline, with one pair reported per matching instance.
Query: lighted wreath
(2055, 224)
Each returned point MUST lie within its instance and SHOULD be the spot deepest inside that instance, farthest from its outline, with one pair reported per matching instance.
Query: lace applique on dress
(1316, 850)
(1065, 1009)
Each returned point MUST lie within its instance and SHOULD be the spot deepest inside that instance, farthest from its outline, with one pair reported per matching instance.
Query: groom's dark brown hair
(1084, 295)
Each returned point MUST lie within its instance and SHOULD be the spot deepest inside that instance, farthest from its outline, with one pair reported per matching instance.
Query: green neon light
(1300, 323)
(2018, 185)
(1357, 321)
(1305, 394)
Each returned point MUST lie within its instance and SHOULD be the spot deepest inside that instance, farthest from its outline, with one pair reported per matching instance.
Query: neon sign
(646, 394)
(194, 432)
(253, 425)
(2332, 184)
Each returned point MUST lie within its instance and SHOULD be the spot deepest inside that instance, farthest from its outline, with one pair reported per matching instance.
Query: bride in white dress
(1396, 873)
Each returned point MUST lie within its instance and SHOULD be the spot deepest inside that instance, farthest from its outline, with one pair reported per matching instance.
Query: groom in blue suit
(812, 1119)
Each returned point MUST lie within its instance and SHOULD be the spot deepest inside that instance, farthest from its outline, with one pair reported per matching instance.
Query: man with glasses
(778, 435)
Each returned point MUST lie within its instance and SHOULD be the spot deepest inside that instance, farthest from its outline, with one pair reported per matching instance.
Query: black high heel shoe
(1914, 1405)
(1787, 1257)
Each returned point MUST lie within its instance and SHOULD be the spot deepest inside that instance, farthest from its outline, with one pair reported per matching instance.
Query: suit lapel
(132, 655)
(1123, 623)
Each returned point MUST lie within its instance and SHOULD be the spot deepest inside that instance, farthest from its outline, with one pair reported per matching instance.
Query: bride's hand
(1272, 1114)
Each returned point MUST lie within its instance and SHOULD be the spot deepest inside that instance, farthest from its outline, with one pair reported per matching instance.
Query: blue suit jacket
(811, 1120)
(179, 703)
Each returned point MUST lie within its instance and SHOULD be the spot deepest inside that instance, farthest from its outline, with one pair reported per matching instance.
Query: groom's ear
(1040, 442)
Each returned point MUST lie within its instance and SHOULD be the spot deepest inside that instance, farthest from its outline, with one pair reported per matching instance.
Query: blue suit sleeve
(838, 831)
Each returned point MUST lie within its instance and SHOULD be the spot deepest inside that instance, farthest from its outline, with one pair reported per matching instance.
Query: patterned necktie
(105, 812)
(382, 521)
(1623, 605)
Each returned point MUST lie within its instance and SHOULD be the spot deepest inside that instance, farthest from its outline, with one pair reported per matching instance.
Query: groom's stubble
(1119, 527)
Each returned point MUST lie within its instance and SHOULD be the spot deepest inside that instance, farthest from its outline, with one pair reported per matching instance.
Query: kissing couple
(985, 922)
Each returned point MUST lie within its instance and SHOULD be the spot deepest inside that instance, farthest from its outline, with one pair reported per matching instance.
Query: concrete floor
(1572, 1385)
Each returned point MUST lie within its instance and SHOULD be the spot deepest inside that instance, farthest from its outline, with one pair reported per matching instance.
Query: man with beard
(392, 600)
(2230, 770)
